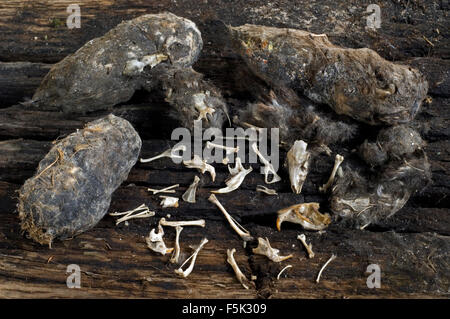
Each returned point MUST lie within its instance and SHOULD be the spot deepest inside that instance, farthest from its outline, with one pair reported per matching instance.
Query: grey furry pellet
(355, 82)
(366, 198)
(192, 97)
(71, 190)
(392, 143)
(109, 69)
(296, 118)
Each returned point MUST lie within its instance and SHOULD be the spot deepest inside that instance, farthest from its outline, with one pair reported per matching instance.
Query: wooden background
(412, 248)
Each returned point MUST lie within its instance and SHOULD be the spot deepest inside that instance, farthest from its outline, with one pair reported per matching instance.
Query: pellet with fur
(393, 142)
(71, 190)
(296, 118)
(402, 170)
(355, 82)
(109, 69)
(191, 96)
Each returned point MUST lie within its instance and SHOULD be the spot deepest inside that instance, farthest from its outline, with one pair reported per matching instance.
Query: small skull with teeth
(305, 214)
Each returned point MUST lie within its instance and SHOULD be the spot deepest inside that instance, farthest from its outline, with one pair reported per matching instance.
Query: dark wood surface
(412, 248)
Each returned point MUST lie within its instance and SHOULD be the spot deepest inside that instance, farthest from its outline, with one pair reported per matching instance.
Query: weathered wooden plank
(19, 80)
(116, 263)
(36, 30)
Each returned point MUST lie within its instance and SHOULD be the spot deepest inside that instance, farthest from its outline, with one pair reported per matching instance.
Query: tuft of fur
(182, 88)
(403, 170)
(297, 118)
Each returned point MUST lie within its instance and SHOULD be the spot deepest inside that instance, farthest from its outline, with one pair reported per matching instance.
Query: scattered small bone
(241, 231)
(238, 174)
(268, 167)
(201, 166)
(333, 256)
(176, 253)
(169, 201)
(265, 249)
(239, 275)
(225, 161)
(192, 258)
(308, 247)
(264, 189)
(189, 195)
(337, 162)
(305, 214)
(156, 243)
(298, 163)
(282, 270)
(141, 212)
(228, 150)
(199, 222)
(169, 189)
(166, 153)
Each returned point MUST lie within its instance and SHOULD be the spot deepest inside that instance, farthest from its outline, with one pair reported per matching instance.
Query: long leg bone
(265, 249)
(199, 222)
(268, 168)
(239, 275)
(189, 195)
(298, 163)
(143, 210)
(241, 231)
(176, 253)
(167, 153)
(308, 247)
(237, 177)
(192, 258)
(168, 189)
(169, 201)
(333, 257)
(201, 166)
(156, 243)
(337, 162)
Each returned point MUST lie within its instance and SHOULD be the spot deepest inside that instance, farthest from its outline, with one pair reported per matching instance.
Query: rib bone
(241, 231)
(168, 189)
(143, 210)
(333, 256)
(264, 189)
(337, 161)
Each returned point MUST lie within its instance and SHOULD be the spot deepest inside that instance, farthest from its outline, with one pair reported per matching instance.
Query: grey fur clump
(192, 97)
(109, 69)
(355, 82)
(296, 118)
(392, 143)
(403, 169)
(71, 190)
